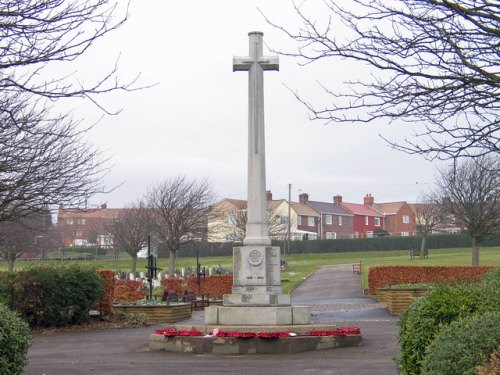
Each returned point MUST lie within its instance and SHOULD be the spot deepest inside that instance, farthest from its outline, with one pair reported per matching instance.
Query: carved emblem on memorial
(255, 258)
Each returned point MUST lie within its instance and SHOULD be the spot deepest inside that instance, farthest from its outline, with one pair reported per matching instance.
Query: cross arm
(242, 63)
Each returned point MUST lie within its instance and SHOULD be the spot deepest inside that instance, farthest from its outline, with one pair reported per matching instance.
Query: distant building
(87, 227)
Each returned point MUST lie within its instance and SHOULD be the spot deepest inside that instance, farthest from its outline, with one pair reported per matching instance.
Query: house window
(69, 221)
(406, 219)
(366, 220)
(328, 220)
(77, 234)
(340, 220)
(284, 219)
(377, 221)
(310, 221)
(231, 219)
(299, 220)
(80, 221)
(331, 235)
(405, 234)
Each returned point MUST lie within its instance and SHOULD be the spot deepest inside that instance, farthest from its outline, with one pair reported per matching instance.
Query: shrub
(492, 367)
(105, 302)
(382, 276)
(129, 291)
(55, 296)
(463, 345)
(422, 321)
(15, 340)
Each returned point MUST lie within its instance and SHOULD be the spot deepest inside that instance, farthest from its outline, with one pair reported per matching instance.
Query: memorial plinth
(256, 298)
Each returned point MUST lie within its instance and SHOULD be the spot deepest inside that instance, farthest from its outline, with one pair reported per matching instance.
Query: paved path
(333, 292)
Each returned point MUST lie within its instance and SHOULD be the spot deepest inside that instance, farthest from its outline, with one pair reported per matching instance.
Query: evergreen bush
(15, 340)
(428, 318)
(55, 296)
(463, 345)
(420, 324)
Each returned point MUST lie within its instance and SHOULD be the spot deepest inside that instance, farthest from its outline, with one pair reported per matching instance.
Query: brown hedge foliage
(383, 276)
(129, 291)
(105, 304)
(177, 284)
(215, 286)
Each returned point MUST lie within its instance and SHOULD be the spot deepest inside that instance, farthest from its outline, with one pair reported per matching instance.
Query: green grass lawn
(301, 265)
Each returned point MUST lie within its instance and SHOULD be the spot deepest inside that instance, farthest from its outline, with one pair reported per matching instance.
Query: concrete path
(333, 292)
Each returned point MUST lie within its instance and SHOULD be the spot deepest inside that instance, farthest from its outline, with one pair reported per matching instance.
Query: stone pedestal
(256, 315)
(257, 298)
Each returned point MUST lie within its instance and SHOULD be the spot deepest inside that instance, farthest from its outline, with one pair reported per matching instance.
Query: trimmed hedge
(383, 276)
(423, 322)
(129, 291)
(15, 340)
(54, 296)
(215, 286)
(105, 303)
(463, 345)
(441, 241)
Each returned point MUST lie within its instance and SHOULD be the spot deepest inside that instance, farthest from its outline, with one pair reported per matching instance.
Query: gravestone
(257, 297)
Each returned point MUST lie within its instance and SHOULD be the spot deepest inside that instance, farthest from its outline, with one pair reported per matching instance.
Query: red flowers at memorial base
(172, 332)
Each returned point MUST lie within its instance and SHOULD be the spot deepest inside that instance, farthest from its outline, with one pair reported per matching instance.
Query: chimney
(269, 195)
(304, 198)
(104, 206)
(368, 200)
(337, 199)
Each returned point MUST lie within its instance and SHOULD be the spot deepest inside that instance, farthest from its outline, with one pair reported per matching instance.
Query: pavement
(334, 294)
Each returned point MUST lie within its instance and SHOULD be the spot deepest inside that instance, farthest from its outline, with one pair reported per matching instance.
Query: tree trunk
(133, 264)
(11, 258)
(475, 252)
(171, 263)
(422, 247)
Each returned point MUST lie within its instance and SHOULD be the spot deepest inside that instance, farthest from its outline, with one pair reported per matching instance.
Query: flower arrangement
(172, 332)
(341, 331)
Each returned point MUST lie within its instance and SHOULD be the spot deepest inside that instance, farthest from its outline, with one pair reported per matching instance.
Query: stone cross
(257, 232)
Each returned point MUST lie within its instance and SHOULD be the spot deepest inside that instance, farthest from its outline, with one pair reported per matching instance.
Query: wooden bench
(416, 253)
(356, 268)
(170, 296)
(200, 303)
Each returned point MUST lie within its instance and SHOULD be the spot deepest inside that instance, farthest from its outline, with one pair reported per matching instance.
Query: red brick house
(333, 221)
(87, 227)
(399, 217)
(366, 218)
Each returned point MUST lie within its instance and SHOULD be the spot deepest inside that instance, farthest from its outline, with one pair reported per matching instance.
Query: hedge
(105, 303)
(54, 296)
(129, 290)
(214, 286)
(438, 241)
(15, 340)
(383, 276)
(429, 316)
(463, 345)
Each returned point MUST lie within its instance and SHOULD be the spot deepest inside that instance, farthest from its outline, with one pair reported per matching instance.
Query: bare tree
(37, 33)
(428, 214)
(470, 192)
(434, 63)
(43, 158)
(44, 161)
(19, 237)
(180, 210)
(236, 221)
(131, 229)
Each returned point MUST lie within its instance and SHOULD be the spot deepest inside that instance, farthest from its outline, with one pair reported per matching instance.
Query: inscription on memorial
(273, 274)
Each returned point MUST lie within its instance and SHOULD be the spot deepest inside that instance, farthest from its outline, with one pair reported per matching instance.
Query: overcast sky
(194, 121)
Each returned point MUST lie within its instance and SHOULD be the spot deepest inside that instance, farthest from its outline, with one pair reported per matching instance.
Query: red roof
(361, 209)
